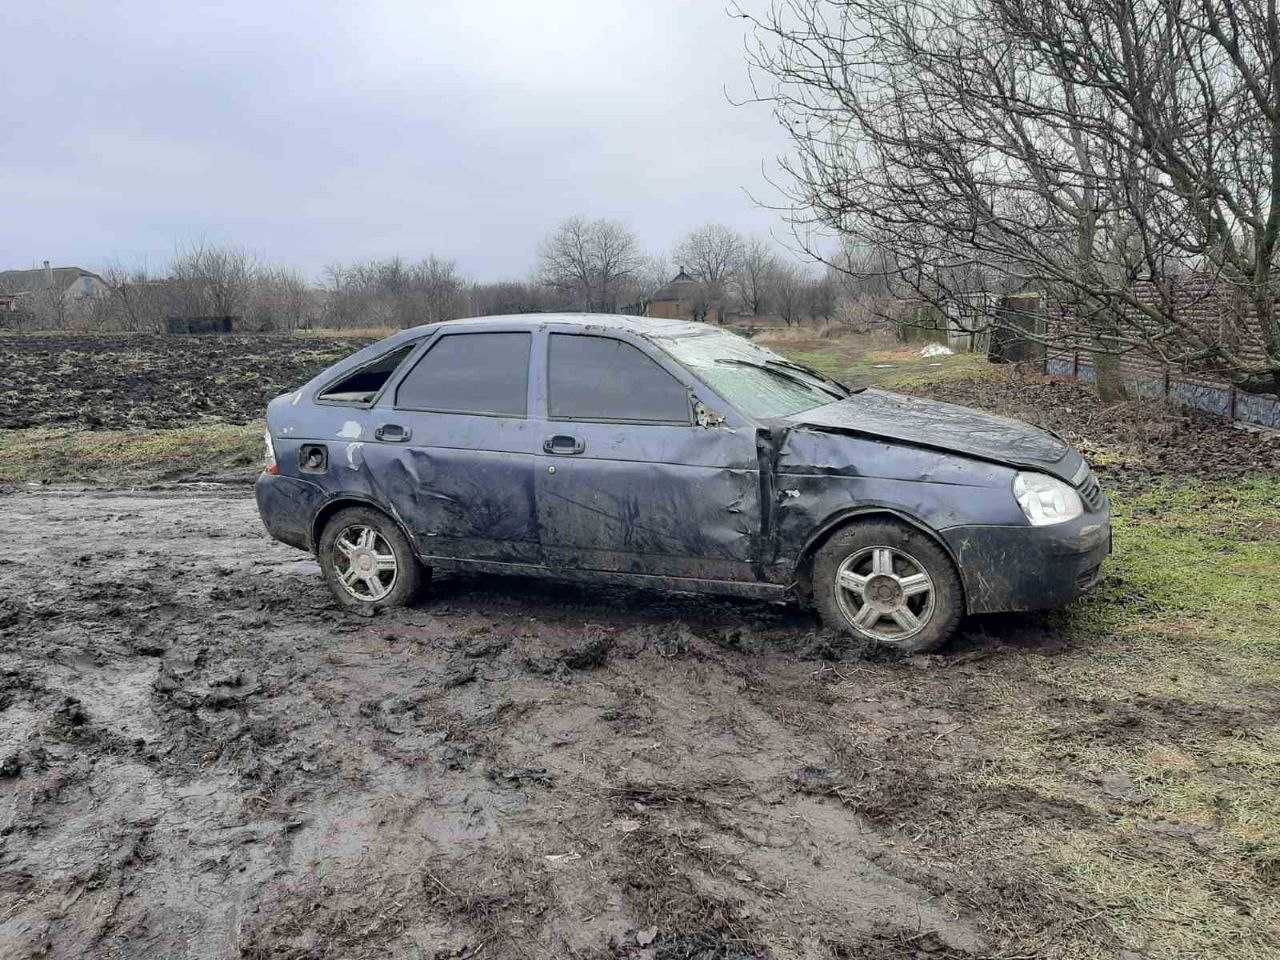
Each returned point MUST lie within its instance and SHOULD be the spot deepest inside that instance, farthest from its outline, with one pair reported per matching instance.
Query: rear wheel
(888, 583)
(367, 560)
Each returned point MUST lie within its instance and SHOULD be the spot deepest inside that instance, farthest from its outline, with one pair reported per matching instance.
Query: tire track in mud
(202, 755)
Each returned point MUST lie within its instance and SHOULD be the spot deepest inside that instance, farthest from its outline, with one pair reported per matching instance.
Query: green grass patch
(1196, 560)
(112, 456)
(1161, 718)
(903, 368)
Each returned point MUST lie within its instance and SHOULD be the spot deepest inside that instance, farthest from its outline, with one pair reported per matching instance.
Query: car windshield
(756, 381)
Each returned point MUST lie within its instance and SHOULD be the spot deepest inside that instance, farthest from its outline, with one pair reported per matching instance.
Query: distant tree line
(584, 264)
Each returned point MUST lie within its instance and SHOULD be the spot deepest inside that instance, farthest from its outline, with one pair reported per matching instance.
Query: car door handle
(562, 446)
(392, 433)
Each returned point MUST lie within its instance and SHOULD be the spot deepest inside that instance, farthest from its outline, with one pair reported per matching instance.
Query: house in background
(683, 298)
(36, 291)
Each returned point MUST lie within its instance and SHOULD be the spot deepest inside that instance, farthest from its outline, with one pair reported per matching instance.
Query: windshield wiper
(816, 374)
(782, 372)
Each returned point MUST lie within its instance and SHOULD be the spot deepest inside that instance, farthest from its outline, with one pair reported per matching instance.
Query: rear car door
(454, 450)
(627, 482)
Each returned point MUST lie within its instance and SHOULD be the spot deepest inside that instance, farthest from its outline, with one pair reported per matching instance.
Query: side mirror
(704, 416)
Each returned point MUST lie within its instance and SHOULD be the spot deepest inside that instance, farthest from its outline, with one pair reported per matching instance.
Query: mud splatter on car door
(628, 482)
(454, 452)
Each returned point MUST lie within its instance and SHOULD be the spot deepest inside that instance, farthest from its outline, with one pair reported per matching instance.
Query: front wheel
(887, 583)
(367, 561)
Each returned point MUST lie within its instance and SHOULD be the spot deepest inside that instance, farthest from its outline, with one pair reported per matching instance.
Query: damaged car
(675, 455)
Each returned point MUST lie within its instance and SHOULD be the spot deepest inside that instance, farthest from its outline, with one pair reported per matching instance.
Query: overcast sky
(315, 132)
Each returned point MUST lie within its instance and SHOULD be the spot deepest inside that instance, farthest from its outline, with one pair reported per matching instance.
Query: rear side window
(599, 378)
(485, 373)
(363, 385)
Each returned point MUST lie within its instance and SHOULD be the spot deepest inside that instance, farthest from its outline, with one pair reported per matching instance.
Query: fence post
(1166, 381)
(1233, 401)
(1075, 365)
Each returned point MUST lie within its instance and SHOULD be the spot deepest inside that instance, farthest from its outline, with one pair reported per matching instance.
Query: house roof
(35, 281)
(680, 287)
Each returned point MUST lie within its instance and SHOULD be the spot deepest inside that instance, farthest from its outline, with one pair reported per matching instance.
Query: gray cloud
(312, 133)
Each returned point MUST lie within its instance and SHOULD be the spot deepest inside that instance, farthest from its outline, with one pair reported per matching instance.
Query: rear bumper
(1030, 568)
(287, 507)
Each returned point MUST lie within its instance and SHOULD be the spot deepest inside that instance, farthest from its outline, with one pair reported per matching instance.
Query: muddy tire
(367, 560)
(887, 583)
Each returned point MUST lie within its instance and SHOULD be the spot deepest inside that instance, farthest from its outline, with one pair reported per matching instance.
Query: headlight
(1045, 499)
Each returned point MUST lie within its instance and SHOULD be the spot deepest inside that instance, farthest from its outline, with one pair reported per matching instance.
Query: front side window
(599, 378)
(362, 385)
(481, 373)
(754, 380)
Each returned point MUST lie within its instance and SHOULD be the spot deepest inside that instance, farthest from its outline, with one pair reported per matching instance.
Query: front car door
(454, 450)
(627, 482)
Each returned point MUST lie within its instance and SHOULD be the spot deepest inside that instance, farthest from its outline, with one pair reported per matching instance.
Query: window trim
(320, 397)
(528, 376)
(690, 396)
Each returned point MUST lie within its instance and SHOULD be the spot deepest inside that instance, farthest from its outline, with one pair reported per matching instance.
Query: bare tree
(393, 293)
(439, 292)
(279, 300)
(590, 263)
(136, 301)
(210, 280)
(711, 254)
(820, 296)
(756, 260)
(1097, 155)
(506, 297)
(786, 291)
(652, 276)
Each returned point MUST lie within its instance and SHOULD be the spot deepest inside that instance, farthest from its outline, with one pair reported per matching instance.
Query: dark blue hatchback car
(673, 455)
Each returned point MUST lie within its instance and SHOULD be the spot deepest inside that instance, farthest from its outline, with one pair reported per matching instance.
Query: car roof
(643, 326)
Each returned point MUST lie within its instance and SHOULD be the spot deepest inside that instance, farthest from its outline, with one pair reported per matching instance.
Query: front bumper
(287, 507)
(1030, 568)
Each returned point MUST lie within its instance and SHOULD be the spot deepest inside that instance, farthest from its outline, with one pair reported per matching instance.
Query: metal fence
(1221, 399)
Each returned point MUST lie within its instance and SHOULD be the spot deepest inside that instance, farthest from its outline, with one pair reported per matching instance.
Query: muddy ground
(204, 757)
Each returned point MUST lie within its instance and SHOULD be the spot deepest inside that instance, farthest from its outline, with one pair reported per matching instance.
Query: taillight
(273, 468)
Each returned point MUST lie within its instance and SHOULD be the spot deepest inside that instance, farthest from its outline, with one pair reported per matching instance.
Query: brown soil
(201, 755)
(153, 381)
(1139, 439)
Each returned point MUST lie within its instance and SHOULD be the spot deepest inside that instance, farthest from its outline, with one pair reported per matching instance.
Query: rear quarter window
(364, 384)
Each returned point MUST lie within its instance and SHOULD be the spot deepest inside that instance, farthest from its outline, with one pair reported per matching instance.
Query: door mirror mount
(704, 416)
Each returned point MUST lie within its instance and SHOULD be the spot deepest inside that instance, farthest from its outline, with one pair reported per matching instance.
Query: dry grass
(821, 332)
(343, 333)
(116, 456)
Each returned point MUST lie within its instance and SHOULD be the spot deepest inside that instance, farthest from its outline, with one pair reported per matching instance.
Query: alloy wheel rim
(885, 593)
(365, 563)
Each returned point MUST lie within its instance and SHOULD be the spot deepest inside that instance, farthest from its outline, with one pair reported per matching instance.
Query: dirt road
(202, 756)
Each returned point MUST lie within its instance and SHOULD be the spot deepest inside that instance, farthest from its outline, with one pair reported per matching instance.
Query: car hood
(942, 426)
